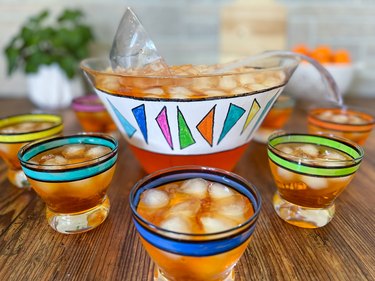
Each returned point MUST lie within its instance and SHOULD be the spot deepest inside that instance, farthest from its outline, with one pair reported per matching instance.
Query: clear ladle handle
(324, 74)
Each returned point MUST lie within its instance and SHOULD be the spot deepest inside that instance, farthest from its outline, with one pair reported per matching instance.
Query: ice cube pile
(25, 127)
(313, 155)
(70, 154)
(341, 117)
(194, 206)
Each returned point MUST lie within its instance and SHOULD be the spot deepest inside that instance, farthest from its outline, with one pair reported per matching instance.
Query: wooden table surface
(343, 250)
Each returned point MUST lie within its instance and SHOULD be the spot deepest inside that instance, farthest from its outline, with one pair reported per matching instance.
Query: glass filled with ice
(195, 222)
(18, 130)
(92, 115)
(345, 121)
(310, 172)
(72, 175)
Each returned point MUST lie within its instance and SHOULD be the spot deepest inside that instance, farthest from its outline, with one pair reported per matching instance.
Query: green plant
(64, 41)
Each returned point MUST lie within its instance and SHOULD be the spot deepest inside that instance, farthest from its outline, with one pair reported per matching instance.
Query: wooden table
(342, 250)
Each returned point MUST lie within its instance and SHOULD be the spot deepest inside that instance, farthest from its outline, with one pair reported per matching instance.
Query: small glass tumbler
(310, 172)
(92, 115)
(188, 256)
(346, 122)
(72, 175)
(18, 130)
(276, 118)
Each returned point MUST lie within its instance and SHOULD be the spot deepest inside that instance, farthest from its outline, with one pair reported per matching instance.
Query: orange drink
(192, 216)
(72, 174)
(18, 130)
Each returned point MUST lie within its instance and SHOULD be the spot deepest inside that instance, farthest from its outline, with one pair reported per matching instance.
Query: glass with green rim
(310, 172)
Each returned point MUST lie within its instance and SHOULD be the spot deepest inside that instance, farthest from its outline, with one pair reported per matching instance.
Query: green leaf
(41, 42)
(12, 55)
(70, 15)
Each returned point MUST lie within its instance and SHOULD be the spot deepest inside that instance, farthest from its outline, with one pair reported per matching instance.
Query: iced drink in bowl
(310, 172)
(18, 130)
(194, 222)
(72, 175)
(193, 117)
(348, 122)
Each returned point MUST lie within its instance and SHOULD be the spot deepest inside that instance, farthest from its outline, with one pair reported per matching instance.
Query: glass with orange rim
(347, 122)
(18, 130)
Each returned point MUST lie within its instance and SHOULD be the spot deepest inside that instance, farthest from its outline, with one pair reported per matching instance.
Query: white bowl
(307, 82)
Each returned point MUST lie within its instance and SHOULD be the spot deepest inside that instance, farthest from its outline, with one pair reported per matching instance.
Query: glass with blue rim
(72, 175)
(182, 255)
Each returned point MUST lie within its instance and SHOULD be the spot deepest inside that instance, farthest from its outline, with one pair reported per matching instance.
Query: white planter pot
(50, 88)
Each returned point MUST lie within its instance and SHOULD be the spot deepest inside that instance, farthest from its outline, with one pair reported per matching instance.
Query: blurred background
(209, 31)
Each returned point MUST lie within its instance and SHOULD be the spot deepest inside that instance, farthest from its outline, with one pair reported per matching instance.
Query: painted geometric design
(206, 126)
(162, 120)
(233, 115)
(129, 129)
(140, 116)
(184, 133)
(250, 116)
(264, 111)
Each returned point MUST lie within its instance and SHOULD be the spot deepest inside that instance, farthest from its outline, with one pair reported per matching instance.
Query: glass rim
(350, 109)
(85, 65)
(61, 167)
(25, 116)
(197, 168)
(313, 162)
(80, 104)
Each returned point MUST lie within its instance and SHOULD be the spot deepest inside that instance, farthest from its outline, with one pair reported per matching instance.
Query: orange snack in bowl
(341, 56)
(322, 54)
(301, 49)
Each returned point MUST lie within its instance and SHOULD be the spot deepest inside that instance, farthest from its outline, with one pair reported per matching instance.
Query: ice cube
(196, 187)
(332, 155)
(218, 191)
(256, 87)
(179, 92)
(176, 224)
(154, 198)
(285, 174)
(132, 48)
(187, 208)
(214, 93)
(74, 151)
(97, 151)
(271, 82)
(326, 115)
(239, 91)
(234, 207)
(216, 224)
(309, 149)
(154, 91)
(315, 182)
(227, 83)
(246, 79)
(353, 119)
(54, 160)
(340, 118)
(286, 149)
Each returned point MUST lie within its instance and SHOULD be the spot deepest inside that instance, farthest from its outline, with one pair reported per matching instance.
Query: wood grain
(342, 250)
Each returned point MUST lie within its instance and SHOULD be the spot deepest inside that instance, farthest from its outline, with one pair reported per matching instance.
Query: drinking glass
(72, 175)
(16, 131)
(92, 115)
(310, 172)
(347, 121)
(181, 255)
